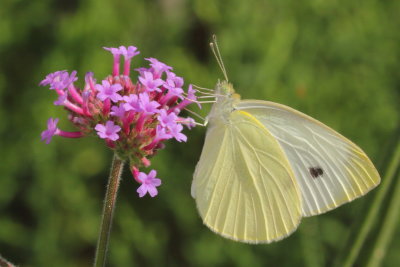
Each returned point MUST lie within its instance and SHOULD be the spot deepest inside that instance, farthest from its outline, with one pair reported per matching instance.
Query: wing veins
(273, 179)
(259, 194)
(342, 174)
(216, 184)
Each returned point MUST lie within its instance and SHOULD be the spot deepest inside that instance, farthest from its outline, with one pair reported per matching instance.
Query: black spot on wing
(316, 172)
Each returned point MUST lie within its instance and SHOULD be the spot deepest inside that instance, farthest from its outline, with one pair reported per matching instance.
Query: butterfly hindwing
(329, 168)
(243, 184)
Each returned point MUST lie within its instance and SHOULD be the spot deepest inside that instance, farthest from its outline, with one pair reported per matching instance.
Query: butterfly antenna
(218, 57)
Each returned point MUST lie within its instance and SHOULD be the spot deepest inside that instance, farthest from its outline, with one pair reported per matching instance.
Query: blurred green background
(337, 61)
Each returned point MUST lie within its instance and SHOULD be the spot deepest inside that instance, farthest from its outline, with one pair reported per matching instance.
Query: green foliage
(337, 61)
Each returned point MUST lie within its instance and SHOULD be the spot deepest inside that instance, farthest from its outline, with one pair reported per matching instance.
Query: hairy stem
(108, 211)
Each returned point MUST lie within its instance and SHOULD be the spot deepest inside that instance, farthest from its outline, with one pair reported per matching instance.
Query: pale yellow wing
(243, 184)
(329, 168)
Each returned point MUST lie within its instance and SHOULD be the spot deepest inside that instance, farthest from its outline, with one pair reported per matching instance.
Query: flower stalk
(108, 211)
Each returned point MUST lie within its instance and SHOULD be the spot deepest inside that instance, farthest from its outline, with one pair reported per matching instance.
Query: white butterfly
(264, 166)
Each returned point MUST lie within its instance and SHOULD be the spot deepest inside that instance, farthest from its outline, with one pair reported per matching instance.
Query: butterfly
(264, 166)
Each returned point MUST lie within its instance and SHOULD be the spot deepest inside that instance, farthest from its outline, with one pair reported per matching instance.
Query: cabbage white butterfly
(264, 166)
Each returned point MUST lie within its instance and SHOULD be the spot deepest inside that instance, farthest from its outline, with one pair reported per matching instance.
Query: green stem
(387, 230)
(108, 211)
(373, 212)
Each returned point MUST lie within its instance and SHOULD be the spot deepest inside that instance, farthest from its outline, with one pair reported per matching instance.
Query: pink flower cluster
(133, 117)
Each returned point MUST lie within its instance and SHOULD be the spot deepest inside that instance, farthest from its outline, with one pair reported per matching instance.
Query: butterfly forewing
(329, 168)
(243, 184)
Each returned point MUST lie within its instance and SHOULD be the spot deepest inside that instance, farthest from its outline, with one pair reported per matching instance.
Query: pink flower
(59, 80)
(129, 52)
(167, 120)
(118, 111)
(114, 51)
(61, 100)
(109, 131)
(147, 106)
(175, 131)
(150, 82)
(149, 184)
(157, 66)
(174, 80)
(51, 130)
(161, 134)
(108, 91)
(89, 77)
(132, 103)
(173, 89)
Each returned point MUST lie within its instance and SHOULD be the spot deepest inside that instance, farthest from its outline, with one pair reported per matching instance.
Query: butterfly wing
(329, 168)
(243, 184)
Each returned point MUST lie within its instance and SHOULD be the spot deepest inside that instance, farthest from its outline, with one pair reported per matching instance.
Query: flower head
(149, 184)
(133, 116)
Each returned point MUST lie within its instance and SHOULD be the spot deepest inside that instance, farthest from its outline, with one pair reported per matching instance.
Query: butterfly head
(225, 99)
(225, 89)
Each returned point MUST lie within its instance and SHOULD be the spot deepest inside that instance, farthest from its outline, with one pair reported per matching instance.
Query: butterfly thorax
(226, 98)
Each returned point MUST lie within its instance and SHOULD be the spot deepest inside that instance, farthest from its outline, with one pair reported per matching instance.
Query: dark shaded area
(197, 36)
